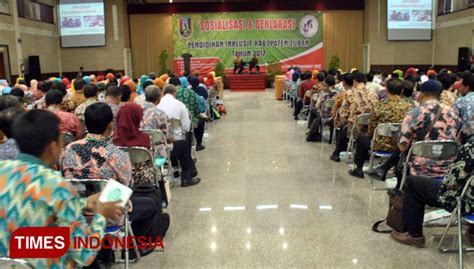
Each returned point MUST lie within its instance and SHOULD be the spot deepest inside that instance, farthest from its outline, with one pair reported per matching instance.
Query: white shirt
(175, 109)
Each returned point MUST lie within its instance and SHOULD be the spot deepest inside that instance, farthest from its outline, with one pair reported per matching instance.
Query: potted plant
(334, 63)
(164, 62)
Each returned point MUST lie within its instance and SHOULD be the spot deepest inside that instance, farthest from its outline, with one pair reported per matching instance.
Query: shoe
(335, 158)
(200, 147)
(470, 237)
(190, 182)
(194, 173)
(356, 173)
(296, 118)
(407, 239)
(379, 173)
(176, 173)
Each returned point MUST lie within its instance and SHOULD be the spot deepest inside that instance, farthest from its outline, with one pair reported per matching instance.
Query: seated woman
(96, 157)
(421, 191)
(128, 134)
(8, 148)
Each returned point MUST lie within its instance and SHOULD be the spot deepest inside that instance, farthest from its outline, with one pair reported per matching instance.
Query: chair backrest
(388, 130)
(68, 138)
(138, 155)
(6, 262)
(434, 149)
(157, 136)
(88, 186)
(363, 119)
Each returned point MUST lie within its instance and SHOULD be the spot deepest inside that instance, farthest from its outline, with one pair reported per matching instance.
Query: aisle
(270, 199)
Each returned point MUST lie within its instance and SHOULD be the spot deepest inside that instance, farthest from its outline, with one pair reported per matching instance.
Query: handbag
(395, 209)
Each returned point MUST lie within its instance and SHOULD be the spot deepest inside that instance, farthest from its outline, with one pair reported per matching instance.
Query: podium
(279, 85)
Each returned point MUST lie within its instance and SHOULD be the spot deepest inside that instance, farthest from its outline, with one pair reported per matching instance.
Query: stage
(247, 82)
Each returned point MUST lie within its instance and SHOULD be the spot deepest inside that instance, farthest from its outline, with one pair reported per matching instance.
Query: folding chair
(9, 263)
(392, 130)
(457, 213)
(430, 149)
(159, 138)
(325, 117)
(362, 119)
(141, 155)
(87, 187)
(68, 138)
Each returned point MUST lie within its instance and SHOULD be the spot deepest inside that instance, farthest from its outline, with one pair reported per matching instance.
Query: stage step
(247, 82)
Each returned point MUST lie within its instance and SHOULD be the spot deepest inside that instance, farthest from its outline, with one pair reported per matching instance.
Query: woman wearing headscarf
(128, 134)
(202, 95)
(133, 88)
(210, 82)
(140, 88)
(184, 82)
(164, 77)
(93, 78)
(159, 82)
(123, 80)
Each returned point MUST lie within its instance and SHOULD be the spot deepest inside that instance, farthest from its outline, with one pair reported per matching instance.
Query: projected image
(399, 15)
(421, 15)
(93, 21)
(71, 22)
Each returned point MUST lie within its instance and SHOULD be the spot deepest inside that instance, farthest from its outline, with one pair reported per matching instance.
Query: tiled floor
(269, 199)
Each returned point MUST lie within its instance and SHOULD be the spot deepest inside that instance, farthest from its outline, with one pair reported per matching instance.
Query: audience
(465, 107)
(113, 96)
(40, 142)
(69, 122)
(8, 148)
(91, 95)
(77, 97)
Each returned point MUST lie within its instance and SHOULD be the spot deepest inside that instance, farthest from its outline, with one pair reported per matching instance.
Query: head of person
(194, 82)
(18, 93)
(7, 117)
(446, 80)
(60, 87)
(175, 81)
(430, 89)
(348, 80)
(320, 76)
(45, 86)
(128, 132)
(330, 81)
(114, 94)
(99, 119)
(184, 82)
(394, 87)
(37, 133)
(370, 77)
(467, 85)
(360, 78)
(79, 84)
(295, 76)
(152, 75)
(7, 101)
(408, 88)
(153, 94)
(169, 89)
(91, 91)
(126, 92)
(54, 98)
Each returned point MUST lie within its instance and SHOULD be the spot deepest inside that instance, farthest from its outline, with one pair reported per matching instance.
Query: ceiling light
(171, 1)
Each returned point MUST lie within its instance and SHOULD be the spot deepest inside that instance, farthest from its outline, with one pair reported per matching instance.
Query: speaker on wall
(34, 68)
(463, 59)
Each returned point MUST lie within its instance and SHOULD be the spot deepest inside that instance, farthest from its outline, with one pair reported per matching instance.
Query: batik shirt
(188, 97)
(454, 181)
(446, 128)
(81, 109)
(448, 98)
(388, 111)
(155, 119)
(465, 107)
(69, 123)
(34, 195)
(96, 157)
(336, 109)
(326, 94)
(357, 100)
(9, 150)
(319, 87)
(140, 100)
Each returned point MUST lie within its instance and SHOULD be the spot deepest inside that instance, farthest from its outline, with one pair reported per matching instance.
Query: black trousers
(362, 147)
(251, 67)
(182, 153)
(298, 108)
(238, 68)
(418, 192)
(199, 131)
(143, 217)
(341, 141)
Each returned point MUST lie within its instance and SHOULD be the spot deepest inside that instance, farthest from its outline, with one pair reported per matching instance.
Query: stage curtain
(343, 35)
(150, 34)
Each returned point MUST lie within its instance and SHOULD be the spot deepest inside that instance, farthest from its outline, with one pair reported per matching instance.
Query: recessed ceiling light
(171, 1)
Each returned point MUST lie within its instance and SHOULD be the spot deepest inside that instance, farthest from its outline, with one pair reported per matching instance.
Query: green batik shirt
(188, 97)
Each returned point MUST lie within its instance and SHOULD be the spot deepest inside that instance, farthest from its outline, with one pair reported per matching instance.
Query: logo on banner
(308, 26)
(185, 27)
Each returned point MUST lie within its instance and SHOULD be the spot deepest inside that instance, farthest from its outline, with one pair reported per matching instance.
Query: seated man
(154, 118)
(77, 97)
(8, 149)
(465, 108)
(69, 122)
(254, 64)
(40, 141)
(238, 64)
(305, 86)
(391, 110)
(90, 93)
(356, 101)
(318, 110)
(420, 191)
(415, 127)
(177, 111)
